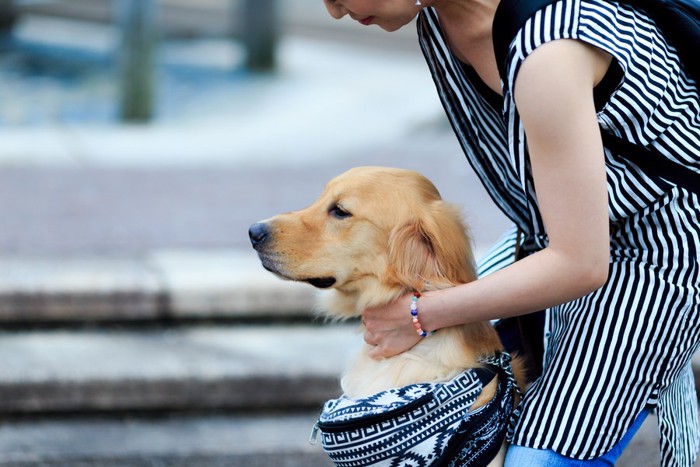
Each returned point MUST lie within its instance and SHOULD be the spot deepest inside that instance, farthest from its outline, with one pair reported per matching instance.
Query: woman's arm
(554, 96)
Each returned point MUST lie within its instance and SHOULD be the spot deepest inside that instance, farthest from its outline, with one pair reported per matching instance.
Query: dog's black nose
(258, 233)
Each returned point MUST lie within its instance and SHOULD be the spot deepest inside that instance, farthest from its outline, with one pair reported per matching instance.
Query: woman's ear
(433, 249)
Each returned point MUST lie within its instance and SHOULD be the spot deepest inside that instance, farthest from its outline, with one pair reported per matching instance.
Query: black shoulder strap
(680, 22)
(511, 16)
(652, 162)
(678, 19)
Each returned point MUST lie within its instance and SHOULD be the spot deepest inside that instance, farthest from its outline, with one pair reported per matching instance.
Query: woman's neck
(470, 21)
(468, 26)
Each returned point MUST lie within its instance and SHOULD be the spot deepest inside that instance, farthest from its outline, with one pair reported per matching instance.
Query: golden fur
(372, 236)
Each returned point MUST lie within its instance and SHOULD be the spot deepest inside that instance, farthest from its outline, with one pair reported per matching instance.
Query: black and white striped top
(628, 345)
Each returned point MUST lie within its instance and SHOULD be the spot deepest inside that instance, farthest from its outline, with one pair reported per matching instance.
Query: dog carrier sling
(425, 424)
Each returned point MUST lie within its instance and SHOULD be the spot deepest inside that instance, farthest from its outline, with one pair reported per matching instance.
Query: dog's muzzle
(260, 233)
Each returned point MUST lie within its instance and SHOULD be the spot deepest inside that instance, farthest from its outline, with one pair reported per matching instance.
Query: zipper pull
(313, 438)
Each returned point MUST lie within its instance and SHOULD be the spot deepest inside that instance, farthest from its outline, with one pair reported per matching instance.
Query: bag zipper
(313, 437)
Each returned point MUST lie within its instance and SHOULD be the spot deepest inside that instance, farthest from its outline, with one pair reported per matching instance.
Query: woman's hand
(389, 329)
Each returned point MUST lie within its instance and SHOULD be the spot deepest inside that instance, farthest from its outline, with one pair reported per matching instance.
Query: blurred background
(138, 141)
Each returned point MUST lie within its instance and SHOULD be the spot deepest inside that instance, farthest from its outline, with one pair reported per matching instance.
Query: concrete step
(173, 369)
(164, 284)
(199, 440)
(226, 395)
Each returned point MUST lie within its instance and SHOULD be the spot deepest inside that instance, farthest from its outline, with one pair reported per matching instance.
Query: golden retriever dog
(372, 236)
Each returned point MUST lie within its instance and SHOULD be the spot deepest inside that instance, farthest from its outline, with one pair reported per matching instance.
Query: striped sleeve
(500, 255)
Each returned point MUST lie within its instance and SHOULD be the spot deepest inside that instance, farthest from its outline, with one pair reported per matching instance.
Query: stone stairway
(170, 359)
(178, 358)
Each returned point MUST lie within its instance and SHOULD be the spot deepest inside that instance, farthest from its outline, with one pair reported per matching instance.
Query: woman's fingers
(376, 353)
(370, 338)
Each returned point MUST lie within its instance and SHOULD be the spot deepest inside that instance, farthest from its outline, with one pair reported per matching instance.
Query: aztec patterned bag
(427, 424)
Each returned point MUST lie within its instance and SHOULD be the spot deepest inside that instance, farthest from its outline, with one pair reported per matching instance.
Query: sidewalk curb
(165, 284)
(201, 440)
(192, 368)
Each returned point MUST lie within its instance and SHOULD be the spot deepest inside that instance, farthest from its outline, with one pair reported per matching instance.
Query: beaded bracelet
(414, 316)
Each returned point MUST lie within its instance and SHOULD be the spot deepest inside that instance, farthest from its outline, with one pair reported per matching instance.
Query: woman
(612, 251)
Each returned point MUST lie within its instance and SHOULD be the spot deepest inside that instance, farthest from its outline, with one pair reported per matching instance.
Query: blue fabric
(519, 456)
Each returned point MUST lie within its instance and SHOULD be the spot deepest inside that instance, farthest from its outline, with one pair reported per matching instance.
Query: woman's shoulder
(614, 27)
(606, 23)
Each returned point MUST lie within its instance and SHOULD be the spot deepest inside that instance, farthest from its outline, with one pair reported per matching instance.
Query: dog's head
(373, 234)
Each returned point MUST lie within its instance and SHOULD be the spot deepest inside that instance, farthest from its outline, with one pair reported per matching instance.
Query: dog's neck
(350, 303)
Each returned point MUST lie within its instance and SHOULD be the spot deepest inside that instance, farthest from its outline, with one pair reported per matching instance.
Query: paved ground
(127, 210)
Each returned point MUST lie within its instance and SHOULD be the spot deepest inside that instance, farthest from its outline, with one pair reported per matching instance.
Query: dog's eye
(338, 212)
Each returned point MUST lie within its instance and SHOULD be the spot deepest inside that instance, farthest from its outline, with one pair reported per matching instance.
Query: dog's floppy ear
(433, 250)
